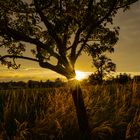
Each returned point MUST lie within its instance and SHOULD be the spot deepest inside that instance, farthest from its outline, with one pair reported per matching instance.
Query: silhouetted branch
(56, 68)
(15, 56)
(3, 44)
(94, 25)
(75, 44)
(14, 10)
(127, 4)
(22, 37)
(48, 25)
(52, 33)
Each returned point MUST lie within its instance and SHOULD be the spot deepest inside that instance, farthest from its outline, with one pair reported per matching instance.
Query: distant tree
(33, 84)
(58, 82)
(97, 50)
(93, 78)
(123, 78)
(59, 30)
(49, 83)
(104, 66)
(136, 78)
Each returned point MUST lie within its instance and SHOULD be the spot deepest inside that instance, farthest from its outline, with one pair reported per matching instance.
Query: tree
(93, 79)
(123, 78)
(59, 30)
(104, 67)
(104, 43)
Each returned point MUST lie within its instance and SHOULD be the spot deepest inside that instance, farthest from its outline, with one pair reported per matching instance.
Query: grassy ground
(48, 114)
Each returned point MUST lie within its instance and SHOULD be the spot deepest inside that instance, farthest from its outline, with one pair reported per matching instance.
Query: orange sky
(126, 55)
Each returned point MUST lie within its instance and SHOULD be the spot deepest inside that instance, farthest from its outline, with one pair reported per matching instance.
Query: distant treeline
(122, 78)
(92, 80)
(31, 84)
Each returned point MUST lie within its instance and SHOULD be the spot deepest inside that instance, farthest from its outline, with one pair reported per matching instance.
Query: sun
(80, 75)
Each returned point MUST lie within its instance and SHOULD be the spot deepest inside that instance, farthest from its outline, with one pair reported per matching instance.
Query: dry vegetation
(49, 114)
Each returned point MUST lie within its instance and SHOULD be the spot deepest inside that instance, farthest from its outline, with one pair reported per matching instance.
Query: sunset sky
(126, 55)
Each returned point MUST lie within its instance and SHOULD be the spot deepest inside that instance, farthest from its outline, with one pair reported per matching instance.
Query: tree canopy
(104, 66)
(58, 30)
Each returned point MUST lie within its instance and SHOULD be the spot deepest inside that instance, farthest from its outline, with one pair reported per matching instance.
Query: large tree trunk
(81, 112)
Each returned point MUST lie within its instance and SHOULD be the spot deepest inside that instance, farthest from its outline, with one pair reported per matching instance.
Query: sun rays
(80, 75)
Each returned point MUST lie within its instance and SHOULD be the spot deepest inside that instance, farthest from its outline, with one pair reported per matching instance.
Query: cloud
(27, 74)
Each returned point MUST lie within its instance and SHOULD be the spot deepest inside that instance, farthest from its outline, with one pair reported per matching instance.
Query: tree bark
(81, 112)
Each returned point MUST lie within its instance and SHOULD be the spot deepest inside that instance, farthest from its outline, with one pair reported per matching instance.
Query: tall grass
(48, 114)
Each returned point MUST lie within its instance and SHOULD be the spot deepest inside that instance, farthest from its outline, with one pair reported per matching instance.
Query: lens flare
(80, 75)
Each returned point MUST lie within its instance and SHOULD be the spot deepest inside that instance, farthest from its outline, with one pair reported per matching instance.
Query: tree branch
(75, 44)
(56, 68)
(126, 4)
(79, 31)
(15, 56)
(53, 34)
(94, 25)
(11, 8)
(3, 44)
(59, 69)
(22, 37)
(49, 26)
(108, 13)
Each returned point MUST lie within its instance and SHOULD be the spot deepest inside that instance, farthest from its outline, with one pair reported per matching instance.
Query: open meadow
(49, 113)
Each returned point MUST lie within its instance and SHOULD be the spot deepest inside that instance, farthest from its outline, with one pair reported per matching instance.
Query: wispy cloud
(27, 74)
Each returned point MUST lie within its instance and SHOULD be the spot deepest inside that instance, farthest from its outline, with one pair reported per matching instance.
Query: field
(49, 113)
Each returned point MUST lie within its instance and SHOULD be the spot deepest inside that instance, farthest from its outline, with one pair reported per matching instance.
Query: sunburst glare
(80, 75)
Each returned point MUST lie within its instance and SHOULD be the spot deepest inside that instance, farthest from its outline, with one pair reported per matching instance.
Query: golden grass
(47, 114)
